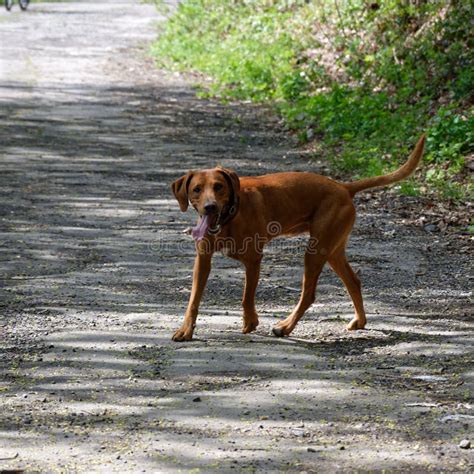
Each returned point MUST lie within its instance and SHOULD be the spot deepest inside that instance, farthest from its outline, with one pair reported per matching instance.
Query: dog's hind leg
(340, 265)
(313, 265)
(329, 231)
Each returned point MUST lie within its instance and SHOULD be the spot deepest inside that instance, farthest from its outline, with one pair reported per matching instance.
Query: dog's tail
(402, 172)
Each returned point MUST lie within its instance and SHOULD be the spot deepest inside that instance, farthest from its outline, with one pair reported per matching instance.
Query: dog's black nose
(210, 208)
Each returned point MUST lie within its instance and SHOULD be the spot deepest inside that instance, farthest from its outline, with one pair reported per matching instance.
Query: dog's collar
(229, 211)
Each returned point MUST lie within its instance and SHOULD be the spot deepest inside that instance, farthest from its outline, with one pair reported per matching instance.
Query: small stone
(465, 444)
(430, 378)
(431, 228)
(298, 432)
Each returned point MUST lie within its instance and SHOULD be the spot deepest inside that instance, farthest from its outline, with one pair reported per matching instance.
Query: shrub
(366, 78)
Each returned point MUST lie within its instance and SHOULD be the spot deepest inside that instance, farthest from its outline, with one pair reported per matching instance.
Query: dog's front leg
(202, 268)
(252, 273)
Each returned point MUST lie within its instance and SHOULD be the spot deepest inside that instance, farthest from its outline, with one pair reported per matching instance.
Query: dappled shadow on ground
(256, 400)
(86, 175)
(96, 274)
(91, 244)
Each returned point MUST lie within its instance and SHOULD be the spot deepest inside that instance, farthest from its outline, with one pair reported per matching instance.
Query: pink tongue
(200, 230)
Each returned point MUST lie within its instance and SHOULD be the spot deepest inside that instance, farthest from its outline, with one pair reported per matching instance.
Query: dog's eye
(218, 187)
(197, 189)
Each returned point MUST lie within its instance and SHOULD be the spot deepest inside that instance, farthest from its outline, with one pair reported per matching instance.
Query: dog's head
(213, 193)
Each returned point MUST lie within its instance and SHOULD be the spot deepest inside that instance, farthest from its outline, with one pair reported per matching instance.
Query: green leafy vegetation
(364, 78)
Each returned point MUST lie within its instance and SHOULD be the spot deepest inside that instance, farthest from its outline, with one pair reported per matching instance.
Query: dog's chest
(227, 246)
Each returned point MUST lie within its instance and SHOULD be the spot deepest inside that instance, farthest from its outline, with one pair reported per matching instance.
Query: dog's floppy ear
(232, 179)
(180, 190)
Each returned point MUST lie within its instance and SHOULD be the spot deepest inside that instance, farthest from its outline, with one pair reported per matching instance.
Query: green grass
(365, 79)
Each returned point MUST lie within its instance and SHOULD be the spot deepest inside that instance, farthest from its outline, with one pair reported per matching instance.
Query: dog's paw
(355, 324)
(278, 332)
(281, 331)
(250, 327)
(182, 335)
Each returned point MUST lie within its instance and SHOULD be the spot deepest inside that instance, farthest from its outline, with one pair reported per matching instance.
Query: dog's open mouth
(206, 223)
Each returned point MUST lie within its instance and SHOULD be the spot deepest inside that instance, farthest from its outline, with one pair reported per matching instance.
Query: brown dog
(238, 216)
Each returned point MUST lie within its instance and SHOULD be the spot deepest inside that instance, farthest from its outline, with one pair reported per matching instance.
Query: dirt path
(95, 275)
